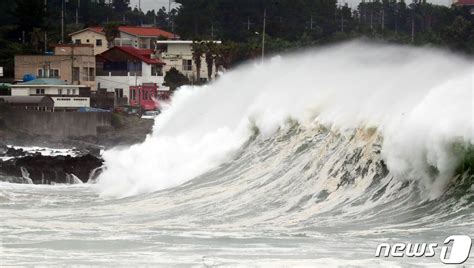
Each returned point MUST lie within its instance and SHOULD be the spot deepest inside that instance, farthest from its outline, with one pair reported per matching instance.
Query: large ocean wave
(311, 159)
(418, 101)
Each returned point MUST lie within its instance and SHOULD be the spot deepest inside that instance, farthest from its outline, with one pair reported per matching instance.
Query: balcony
(118, 73)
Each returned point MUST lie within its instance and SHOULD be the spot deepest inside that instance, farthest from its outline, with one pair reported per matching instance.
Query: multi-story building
(73, 64)
(65, 96)
(178, 54)
(138, 37)
(120, 68)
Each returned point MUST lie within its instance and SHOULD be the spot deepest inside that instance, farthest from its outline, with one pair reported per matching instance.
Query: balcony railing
(118, 73)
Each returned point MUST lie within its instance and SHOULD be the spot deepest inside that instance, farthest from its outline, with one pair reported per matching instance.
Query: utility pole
(45, 42)
(371, 18)
(62, 21)
(383, 20)
(72, 68)
(342, 21)
(77, 11)
(311, 23)
(263, 33)
(170, 20)
(139, 5)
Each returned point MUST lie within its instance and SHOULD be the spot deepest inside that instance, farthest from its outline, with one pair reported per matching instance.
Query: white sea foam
(420, 99)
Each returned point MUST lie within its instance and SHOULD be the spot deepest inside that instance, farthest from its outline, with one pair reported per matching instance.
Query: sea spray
(419, 99)
(26, 175)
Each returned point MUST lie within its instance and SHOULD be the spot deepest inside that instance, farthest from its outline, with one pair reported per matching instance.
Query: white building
(178, 54)
(138, 37)
(121, 67)
(64, 96)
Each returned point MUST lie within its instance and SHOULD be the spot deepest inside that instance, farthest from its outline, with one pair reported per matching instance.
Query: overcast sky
(157, 4)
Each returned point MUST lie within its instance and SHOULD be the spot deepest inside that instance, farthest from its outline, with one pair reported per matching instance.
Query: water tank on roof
(29, 77)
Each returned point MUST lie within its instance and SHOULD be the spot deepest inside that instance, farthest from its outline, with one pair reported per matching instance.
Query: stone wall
(56, 124)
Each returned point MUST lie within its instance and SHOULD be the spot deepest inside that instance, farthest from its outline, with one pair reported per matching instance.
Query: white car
(150, 114)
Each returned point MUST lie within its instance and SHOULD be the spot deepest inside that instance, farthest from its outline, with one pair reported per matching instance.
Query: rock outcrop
(51, 169)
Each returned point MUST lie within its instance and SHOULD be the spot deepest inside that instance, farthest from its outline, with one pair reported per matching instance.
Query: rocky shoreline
(75, 159)
(23, 166)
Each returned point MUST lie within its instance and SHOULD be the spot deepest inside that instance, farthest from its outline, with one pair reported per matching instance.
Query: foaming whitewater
(306, 160)
(418, 99)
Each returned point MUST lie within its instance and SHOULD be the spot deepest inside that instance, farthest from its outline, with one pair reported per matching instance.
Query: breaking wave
(348, 123)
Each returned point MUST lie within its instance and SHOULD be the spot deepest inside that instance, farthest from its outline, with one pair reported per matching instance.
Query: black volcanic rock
(47, 169)
(15, 152)
(3, 149)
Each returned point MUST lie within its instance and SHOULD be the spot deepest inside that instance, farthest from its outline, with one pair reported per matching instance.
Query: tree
(111, 31)
(30, 14)
(459, 35)
(121, 5)
(198, 48)
(37, 39)
(175, 79)
(210, 54)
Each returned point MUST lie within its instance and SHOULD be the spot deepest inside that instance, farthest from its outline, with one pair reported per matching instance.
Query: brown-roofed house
(135, 36)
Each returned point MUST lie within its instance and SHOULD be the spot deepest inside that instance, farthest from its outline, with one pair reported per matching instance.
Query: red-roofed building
(121, 68)
(138, 37)
(466, 3)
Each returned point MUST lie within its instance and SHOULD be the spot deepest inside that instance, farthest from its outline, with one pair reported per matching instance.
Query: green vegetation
(111, 31)
(116, 120)
(27, 26)
(175, 79)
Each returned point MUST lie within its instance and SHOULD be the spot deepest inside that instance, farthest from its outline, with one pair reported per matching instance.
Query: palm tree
(211, 51)
(198, 49)
(111, 31)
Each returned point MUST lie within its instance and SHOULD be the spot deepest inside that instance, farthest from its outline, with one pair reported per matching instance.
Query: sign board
(1, 71)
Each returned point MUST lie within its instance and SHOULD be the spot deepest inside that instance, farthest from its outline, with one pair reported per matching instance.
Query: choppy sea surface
(304, 160)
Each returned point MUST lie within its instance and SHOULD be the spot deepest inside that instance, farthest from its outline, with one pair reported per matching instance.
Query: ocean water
(305, 160)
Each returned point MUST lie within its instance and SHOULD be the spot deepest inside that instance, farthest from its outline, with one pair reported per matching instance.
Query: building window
(98, 42)
(77, 41)
(187, 65)
(68, 91)
(73, 91)
(75, 74)
(118, 93)
(40, 91)
(54, 73)
(156, 70)
(40, 73)
(91, 74)
(60, 91)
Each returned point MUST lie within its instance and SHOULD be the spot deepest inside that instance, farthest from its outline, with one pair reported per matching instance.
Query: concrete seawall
(56, 124)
